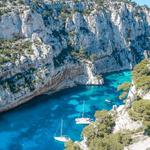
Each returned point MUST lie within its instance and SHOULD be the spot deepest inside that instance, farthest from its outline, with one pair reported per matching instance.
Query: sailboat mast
(61, 127)
(83, 109)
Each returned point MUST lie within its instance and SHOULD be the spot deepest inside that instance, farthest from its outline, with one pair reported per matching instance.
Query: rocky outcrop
(66, 77)
(43, 39)
(142, 143)
(123, 121)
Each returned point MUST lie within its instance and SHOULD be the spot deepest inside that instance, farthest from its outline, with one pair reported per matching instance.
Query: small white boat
(108, 101)
(83, 120)
(62, 138)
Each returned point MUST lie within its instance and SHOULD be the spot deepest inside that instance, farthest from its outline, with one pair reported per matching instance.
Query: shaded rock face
(57, 36)
(10, 25)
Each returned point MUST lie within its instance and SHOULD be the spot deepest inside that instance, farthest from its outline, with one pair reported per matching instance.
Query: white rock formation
(123, 122)
(10, 25)
(143, 143)
(31, 22)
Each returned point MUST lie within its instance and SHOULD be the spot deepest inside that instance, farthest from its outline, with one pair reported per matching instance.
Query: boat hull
(108, 101)
(83, 120)
(62, 139)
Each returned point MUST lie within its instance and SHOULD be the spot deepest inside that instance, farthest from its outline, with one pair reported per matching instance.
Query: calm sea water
(33, 125)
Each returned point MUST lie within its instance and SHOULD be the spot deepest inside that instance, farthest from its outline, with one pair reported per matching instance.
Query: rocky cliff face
(50, 45)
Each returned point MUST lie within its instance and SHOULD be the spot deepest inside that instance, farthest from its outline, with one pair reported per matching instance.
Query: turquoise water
(33, 125)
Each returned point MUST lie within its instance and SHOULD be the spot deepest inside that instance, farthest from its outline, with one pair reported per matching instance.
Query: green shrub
(141, 75)
(11, 50)
(81, 54)
(99, 134)
(124, 89)
(71, 146)
(140, 110)
(111, 142)
(103, 125)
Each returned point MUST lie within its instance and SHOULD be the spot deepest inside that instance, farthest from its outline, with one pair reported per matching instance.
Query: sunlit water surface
(33, 125)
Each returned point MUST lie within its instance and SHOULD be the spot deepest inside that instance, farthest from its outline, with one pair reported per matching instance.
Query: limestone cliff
(47, 45)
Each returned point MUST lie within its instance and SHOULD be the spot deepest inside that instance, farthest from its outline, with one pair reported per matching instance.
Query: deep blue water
(33, 125)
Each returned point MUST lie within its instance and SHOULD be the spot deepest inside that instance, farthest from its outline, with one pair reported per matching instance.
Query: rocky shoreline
(136, 101)
(65, 79)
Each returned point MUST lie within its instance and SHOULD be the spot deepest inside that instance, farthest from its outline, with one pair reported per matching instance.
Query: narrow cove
(33, 125)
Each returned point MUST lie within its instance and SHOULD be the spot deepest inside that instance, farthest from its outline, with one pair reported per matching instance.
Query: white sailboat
(108, 101)
(83, 120)
(62, 138)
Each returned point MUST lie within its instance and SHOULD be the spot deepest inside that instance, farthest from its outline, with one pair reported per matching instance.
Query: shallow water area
(33, 125)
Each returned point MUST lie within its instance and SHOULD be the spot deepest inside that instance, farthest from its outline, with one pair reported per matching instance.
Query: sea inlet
(33, 125)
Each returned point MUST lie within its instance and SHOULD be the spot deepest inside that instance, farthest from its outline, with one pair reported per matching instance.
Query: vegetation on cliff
(124, 89)
(141, 75)
(104, 123)
(140, 111)
(80, 55)
(12, 50)
(141, 79)
(72, 146)
(27, 79)
(99, 134)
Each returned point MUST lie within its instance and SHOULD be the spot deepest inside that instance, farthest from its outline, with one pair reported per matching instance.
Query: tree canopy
(124, 89)
(141, 75)
(140, 110)
(99, 134)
